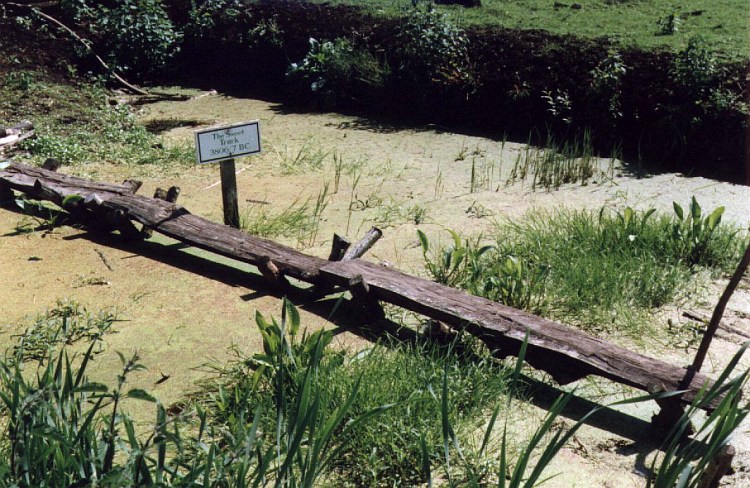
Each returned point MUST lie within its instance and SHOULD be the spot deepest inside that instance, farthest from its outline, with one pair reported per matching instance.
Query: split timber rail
(567, 354)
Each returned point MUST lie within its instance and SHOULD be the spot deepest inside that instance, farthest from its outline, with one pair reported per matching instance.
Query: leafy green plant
(559, 105)
(389, 450)
(38, 215)
(331, 71)
(446, 265)
(65, 149)
(516, 284)
(607, 79)
(266, 33)
(693, 232)
(67, 323)
(668, 24)
(212, 19)
(602, 271)
(695, 68)
(90, 130)
(57, 433)
(135, 36)
(431, 50)
(20, 80)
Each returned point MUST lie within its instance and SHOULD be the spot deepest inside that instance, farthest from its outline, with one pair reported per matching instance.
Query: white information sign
(227, 142)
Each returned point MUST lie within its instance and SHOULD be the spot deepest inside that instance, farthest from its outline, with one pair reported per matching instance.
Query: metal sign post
(223, 144)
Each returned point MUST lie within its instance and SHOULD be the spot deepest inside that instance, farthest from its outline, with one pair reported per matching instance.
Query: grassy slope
(723, 23)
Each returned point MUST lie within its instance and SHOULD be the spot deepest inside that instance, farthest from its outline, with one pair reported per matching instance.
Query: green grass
(723, 23)
(297, 414)
(605, 271)
(76, 124)
(299, 221)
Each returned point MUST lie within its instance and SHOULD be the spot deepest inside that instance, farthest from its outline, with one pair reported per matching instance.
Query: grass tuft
(605, 271)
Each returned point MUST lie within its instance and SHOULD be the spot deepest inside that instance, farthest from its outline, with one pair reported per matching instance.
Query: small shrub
(20, 80)
(134, 36)
(694, 69)
(333, 71)
(213, 20)
(65, 149)
(607, 82)
(431, 51)
(668, 24)
(266, 33)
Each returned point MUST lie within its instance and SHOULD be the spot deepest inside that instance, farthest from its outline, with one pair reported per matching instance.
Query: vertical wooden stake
(229, 194)
(721, 305)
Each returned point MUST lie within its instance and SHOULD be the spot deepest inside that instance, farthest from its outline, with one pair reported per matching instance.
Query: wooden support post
(439, 332)
(364, 300)
(721, 305)
(272, 274)
(719, 466)
(229, 194)
(134, 185)
(51, 164)
(363, 245)
(172, 194)
(670, 410)
(338, 247)
(6, 194)
(127, 230)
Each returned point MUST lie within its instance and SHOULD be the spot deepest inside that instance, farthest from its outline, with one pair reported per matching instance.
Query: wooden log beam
(566, 353)
(339, 247)
(169, 219)
(363, 245)
(16, 129)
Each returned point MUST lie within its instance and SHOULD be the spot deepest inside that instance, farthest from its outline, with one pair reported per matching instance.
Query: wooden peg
(364, 300)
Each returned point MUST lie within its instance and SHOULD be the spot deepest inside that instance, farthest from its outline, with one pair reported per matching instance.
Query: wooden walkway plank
(564, 352)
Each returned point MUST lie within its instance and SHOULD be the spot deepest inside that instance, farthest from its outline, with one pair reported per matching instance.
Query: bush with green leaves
(695, 68)
(135, 37)
(213, 20)
(607, 79)
(335, 71)
(431, 51)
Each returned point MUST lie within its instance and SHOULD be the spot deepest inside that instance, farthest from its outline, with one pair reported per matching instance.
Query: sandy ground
(184, 308)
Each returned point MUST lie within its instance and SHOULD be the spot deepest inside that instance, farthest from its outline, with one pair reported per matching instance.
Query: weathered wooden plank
(169, 219)
(566, 353)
